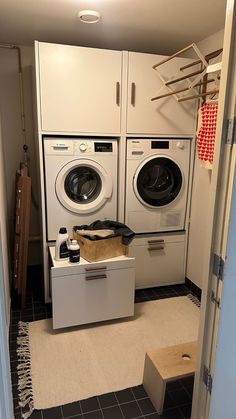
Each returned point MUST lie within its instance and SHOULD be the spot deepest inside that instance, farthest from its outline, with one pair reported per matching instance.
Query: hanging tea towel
(206, 134)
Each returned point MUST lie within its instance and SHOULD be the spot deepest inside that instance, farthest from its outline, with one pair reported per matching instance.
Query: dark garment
(118, 228)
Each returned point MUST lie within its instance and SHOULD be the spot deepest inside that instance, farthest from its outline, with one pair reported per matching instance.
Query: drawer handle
(156, 241)
(133, 94)
(89, 278)
(156, 248)
(99, 268)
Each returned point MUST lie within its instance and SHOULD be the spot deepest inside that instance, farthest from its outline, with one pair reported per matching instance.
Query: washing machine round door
(83, 186)
(158, 181)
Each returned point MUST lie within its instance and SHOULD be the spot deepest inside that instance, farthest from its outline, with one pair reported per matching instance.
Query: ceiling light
(89, 16)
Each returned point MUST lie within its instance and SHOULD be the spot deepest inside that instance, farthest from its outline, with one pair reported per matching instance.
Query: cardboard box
(95, 250)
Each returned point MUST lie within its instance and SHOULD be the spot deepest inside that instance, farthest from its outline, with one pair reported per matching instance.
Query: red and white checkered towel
(206, 134)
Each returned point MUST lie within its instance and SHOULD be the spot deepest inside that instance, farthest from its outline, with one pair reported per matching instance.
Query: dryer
(80, 181)
(157, 175)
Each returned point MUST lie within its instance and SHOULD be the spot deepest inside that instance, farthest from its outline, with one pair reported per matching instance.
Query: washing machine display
(157, 184)
(80, 181)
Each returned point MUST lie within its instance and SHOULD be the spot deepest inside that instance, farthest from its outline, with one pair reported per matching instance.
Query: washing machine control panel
(77, 147)
(93, 147)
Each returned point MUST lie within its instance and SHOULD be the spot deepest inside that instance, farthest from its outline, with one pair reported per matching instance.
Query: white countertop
(66, 263)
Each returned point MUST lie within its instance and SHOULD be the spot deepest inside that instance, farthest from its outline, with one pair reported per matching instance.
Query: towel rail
(212, 92)
(173, 56)
(202, 83)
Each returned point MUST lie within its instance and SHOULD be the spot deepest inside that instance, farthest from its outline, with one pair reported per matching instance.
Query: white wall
(27, 60)
(11, 123)
(212, 42)
(12, 133)
(200, 193)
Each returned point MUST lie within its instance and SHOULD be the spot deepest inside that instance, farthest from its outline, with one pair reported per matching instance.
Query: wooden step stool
(164, 365)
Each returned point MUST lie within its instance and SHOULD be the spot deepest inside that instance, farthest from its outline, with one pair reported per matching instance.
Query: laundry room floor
(129, 403)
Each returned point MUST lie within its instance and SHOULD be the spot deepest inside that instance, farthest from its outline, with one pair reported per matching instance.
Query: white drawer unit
(159, 259)
(91, 292)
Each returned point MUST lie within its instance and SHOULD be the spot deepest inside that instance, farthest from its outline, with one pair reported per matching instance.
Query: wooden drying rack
(201, 80)
(21, 234)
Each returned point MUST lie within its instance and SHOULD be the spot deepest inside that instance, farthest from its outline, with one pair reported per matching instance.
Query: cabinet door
(81, 299)
(163, 116)
(159, 260)
(79, 89)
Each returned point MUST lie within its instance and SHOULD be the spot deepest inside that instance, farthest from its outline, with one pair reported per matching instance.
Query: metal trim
(231, 130)
(207, 379)
(218, 266)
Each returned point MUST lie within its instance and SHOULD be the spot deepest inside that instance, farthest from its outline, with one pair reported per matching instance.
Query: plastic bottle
(74, 252)
(61, 249)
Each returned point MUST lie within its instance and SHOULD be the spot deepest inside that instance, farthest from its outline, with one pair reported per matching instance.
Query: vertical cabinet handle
(133, 90)
(118, 93)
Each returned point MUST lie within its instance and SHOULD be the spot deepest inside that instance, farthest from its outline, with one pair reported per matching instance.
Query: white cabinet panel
(163, 116)
(79, 89)
(159, 260)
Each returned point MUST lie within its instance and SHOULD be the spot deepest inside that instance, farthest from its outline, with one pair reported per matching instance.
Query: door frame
(219, 200)
(6, 402)
(6, 399)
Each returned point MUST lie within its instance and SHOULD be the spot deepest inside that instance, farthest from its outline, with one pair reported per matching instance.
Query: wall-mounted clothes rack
(194, 79)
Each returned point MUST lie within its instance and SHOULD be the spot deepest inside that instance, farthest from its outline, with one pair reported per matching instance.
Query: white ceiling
(141, 25)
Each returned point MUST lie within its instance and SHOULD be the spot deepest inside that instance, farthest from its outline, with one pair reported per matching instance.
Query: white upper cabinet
(79, 89)
(163, 116)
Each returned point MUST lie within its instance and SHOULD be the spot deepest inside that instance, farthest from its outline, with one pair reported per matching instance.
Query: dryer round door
(83, 186)
(158, 181)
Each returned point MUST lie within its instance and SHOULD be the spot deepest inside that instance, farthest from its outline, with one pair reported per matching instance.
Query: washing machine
(80, 181)
(157, 175)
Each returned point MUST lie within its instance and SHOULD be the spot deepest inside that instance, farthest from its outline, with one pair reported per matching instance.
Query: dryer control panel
(138, 148)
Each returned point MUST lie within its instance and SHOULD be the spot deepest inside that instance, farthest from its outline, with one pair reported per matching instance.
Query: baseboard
(195, 290)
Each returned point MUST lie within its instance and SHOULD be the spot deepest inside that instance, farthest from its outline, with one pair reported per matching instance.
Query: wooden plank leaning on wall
(21, 234)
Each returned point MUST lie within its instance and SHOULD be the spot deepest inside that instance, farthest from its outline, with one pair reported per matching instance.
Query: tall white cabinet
(79, 89)
(93, 92)
(164, 116)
